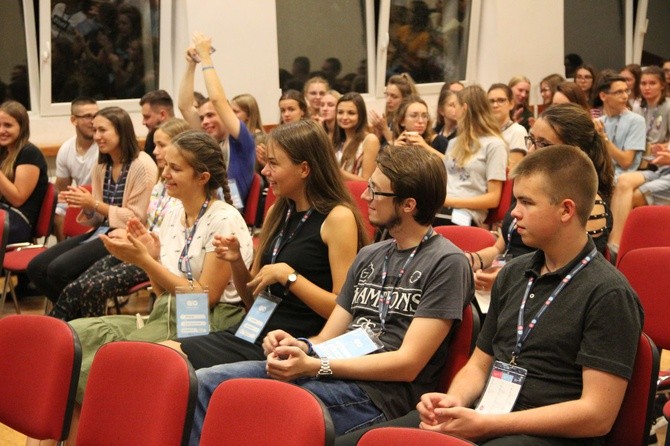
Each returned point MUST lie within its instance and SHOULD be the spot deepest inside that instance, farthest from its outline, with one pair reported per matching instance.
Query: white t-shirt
(69, 164)
(220, 218)
(514, 137)
(471, 180)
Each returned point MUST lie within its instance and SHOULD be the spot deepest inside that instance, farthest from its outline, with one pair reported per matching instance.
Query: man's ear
(568, 210)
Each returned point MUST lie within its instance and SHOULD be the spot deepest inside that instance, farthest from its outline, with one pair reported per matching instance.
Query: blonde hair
(9, 154)
(248, 104)
(476, 122)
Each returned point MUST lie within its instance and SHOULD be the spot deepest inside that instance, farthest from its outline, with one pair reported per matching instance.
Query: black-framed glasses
(87, 116)
(373, 193)
(531, 141)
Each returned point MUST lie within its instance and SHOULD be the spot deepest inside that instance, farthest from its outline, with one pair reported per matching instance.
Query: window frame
(42, 83)
(432, 88)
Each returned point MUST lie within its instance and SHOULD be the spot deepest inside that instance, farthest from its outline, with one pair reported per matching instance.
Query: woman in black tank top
(310, 237)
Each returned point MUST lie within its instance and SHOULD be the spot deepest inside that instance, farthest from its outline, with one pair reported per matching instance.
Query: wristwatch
(291, 279)
(325, 369)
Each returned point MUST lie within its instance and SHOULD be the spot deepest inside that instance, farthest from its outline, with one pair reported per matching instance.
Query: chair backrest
(633, 422)
(461, 345)
(39, 371)
(45, 219)
(253, 198)
(645, 227)
(468, 238)
(647, 271)
(233, 415)
(407, 436)
(137, 393)
(71, 227)
(356, 189)
(269, 201)
(4, 233)
(496, 214)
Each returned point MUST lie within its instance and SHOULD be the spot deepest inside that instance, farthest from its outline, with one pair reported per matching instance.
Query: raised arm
(185, 98)
(215, 90)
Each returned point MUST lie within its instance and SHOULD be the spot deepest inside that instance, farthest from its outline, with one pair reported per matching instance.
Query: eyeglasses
(374, 194)
(87, 117)
(418, 116)
(625, 91)
(531, 141)
(498, 101)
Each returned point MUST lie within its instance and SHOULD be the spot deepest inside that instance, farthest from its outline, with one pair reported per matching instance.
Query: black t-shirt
(594, 322)
(30, 154)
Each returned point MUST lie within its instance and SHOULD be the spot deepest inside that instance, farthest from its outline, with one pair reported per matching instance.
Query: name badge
(192, 311)
(358, 342)
(461, 218)
(95, 234)
(502, 388)
(257, 317)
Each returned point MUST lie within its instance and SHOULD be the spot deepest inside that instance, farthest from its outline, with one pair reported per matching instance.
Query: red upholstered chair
(406, 436)
(4, 233)
(633, 422)
(647, 271)
(39, 371)
(356, 189)
(253, 198)
(646, 226)
(71, 227)
(16, 261)
(496, 215)
(137, 393)
(270, 199)
(248, 411)
(461, 345)
(468, 238)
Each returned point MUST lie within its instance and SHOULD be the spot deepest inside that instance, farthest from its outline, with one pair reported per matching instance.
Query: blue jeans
(349, 407)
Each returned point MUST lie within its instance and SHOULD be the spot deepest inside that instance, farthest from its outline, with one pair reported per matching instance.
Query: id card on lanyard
(352, 344)
(265, 303)
(506, 379)
(192, 311)
(192, 301)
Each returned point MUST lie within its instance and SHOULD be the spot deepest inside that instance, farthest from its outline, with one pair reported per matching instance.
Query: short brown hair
(417, 174)
(568, 174)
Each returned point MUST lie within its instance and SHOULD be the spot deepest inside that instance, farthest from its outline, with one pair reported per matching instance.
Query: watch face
(292, 277)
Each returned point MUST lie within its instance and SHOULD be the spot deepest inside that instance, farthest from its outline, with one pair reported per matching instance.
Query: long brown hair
(306, 141)
(7, 156)
(360, 132)
(478, 121)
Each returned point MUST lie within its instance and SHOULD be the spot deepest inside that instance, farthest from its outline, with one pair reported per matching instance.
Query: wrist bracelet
(481, 262)
(310, 349)
(207, 67)
(472, 259)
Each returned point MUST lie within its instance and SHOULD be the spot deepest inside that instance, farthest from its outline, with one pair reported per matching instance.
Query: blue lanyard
(385, 301)
(184, 262)
(279, 242)
(521, 332)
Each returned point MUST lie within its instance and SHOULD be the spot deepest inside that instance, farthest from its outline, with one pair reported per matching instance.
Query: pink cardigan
(141, 178)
